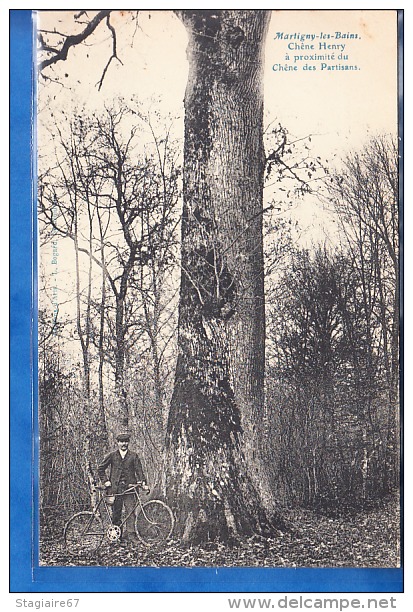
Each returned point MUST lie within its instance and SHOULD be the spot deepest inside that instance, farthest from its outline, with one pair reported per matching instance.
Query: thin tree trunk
(84, 338)
(102, 432)
(120, 387)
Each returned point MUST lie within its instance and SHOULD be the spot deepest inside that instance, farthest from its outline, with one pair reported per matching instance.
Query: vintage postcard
(218, 226)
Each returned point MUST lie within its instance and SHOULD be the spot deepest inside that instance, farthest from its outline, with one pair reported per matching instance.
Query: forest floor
(367, 539)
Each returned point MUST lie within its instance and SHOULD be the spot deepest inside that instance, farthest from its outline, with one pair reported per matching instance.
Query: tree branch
(114, 51)
(72, 41)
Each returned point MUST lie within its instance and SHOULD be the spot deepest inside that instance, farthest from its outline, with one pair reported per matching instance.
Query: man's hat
(123, 436)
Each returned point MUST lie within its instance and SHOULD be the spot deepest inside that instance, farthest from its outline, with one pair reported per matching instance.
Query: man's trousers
(129, 501)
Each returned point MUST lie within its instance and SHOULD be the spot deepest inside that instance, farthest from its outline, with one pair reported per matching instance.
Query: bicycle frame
(129, 491)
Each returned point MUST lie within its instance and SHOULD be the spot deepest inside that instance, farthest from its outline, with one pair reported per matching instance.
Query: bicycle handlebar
(131, 488)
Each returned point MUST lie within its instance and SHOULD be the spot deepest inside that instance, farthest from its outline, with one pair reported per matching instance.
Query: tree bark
(215, 477)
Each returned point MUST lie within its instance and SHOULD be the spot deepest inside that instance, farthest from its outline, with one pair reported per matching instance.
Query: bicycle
(84, 532)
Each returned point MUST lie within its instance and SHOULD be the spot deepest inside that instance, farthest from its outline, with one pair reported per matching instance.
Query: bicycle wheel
(83, 533)
(154, 522)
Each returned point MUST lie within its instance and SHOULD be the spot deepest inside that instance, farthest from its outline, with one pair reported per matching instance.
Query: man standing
(125, 469)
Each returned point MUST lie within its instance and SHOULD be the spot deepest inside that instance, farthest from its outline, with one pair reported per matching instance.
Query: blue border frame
(20, 298)
(25, 575)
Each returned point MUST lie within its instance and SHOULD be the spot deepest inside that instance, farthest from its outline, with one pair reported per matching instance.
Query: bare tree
(328, 378)
(366, 197)
(114, 193)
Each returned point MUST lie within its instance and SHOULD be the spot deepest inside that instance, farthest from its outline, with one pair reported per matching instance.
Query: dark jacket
(130, 466)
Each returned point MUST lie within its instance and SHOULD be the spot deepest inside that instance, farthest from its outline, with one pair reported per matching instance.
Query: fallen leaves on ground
(367, 539)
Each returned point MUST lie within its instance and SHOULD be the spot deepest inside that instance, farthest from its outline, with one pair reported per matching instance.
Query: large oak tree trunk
(215, 478)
